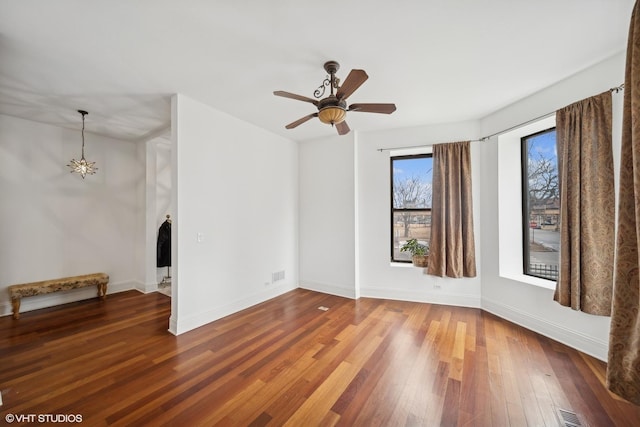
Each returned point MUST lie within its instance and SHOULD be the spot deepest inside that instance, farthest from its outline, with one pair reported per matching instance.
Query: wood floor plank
(394, 380)
(319, 404)
(361, 363)
(457, 355)
(252, 411)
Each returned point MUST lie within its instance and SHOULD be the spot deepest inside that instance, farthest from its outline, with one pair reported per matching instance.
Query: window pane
(410, 225)
(410, 202)
(412, 182)
(541, 201)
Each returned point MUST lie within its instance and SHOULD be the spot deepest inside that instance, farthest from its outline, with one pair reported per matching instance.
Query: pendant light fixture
(82, 166)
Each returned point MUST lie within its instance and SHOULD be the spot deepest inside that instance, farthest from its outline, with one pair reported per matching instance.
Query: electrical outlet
(436, 286)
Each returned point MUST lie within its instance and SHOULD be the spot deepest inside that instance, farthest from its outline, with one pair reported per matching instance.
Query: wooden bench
(17, 292)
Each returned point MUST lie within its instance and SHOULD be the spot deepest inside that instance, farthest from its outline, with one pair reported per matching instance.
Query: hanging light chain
(84, 113)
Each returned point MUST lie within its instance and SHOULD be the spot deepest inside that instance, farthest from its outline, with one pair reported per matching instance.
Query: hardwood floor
(285, 362)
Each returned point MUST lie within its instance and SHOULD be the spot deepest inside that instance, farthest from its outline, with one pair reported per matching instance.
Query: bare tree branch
(411, 193)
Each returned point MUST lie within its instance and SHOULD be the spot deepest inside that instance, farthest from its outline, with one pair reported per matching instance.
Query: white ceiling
(438, 61)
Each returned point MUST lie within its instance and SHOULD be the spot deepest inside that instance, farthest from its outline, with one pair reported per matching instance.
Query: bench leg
(102, 290)
(15, 303)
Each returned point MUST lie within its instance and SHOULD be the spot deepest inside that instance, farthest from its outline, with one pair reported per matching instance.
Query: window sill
(402, 264)
(530, 280)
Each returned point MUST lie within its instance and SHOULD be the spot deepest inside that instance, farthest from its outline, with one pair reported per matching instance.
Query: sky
(545, 144)
(407, 168)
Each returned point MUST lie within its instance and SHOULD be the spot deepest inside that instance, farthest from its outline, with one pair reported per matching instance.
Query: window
(410, 202)
(540, 205)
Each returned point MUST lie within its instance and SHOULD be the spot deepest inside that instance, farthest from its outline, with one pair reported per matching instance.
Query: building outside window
(411, 195)
(541, 205)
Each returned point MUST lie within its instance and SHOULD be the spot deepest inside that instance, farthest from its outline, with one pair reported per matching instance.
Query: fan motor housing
(331, 101)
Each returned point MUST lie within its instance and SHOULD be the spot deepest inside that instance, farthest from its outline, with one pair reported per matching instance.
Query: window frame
(526, 221)
(393, 209)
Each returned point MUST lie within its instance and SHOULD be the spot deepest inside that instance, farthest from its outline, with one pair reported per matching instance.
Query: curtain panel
(452, 246)
(623, 369)
(587, 205)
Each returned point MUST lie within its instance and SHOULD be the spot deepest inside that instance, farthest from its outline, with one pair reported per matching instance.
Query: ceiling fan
(333, 108)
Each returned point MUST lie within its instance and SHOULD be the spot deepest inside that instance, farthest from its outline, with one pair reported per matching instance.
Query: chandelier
(82, 166)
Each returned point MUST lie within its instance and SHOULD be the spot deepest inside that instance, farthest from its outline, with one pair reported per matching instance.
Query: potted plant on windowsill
(419, 252)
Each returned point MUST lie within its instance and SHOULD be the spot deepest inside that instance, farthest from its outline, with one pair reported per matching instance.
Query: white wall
(155, 192)
(524, 303)
(327, 204)
(162, 195)
(54, 223)
(163, 179)
(236, 214)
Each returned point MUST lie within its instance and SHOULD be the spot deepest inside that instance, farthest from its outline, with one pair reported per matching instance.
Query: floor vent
(568, 418)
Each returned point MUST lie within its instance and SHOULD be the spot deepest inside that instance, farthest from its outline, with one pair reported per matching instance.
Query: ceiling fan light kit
(332, 114)
(333, 108)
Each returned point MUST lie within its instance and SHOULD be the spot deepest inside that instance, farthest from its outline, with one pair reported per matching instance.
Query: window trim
(393, 210)
(509, 241)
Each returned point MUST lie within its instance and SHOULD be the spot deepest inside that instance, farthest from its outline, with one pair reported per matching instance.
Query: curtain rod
(486, 138)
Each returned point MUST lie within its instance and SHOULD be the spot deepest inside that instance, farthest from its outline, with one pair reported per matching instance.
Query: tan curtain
(587, 205)
(452, 248)
(623, 370)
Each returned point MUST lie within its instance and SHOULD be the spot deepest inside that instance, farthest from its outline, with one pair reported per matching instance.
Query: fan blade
(343, 128)
(301, 121)
(294, 96)
(373, 108)
(353, 81)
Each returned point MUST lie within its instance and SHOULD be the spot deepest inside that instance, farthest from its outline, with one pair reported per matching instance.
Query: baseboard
(394, 294)
(186, 323)
(146, 288)
(173, 325)
(329, 289)
(57, 298)
(557, 332)
(472, 301)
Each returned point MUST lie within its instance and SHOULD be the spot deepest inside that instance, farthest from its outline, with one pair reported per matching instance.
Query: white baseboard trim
(472, 301)
(146, 288)
(186, 323)
(557, 332)
(329, 289)
(63, 297)
(173, 325)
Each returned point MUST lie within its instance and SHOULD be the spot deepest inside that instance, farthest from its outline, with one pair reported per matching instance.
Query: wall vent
(277, 276)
